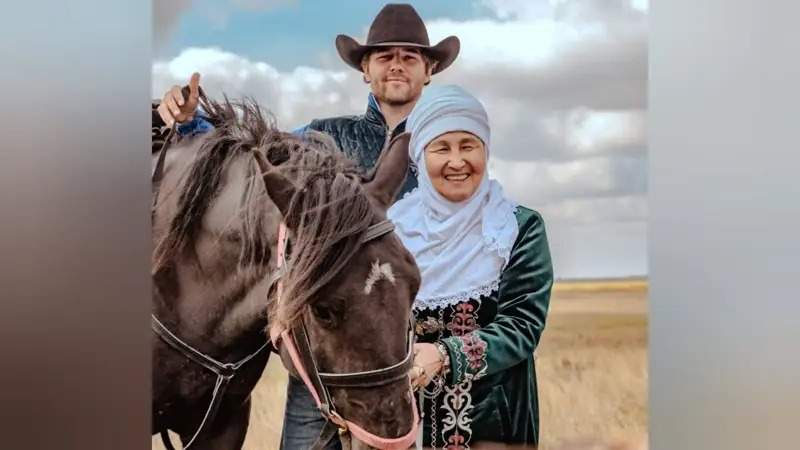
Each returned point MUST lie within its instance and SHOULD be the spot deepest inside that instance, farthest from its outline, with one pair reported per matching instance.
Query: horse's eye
(322, 313)
(327, 315)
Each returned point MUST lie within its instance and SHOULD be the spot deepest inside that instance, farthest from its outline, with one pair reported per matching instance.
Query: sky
(564, 83)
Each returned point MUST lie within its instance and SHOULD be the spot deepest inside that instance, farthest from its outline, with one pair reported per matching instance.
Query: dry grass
(592, 371)
(592, 367)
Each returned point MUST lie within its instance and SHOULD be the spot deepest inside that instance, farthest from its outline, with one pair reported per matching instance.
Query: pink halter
(277, 335)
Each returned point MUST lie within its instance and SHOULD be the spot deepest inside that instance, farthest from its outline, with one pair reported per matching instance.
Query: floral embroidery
(455, 442)
(428, 326)
(464, 320)
(462, 325)
(474, 348)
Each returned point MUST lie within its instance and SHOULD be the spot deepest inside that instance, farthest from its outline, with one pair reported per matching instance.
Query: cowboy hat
(398, 25)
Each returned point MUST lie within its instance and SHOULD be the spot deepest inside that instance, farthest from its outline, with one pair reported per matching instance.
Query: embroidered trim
(464, 320)
(457, 405)
(450, 300)
(474, 349)
(471, 350)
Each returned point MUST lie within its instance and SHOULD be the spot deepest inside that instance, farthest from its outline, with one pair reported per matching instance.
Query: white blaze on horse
(379, 272)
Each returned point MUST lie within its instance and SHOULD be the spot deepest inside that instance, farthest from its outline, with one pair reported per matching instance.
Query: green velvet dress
(490, 392)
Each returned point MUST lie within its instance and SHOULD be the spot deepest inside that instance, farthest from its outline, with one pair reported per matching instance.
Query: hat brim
(444, 53)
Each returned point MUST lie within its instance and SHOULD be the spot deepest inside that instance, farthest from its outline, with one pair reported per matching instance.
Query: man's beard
(398, 97)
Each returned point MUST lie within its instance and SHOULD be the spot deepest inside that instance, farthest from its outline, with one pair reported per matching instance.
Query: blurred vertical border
(75, 235)
(723, 231)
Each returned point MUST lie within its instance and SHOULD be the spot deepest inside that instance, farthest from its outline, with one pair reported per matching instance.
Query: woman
(486, 279)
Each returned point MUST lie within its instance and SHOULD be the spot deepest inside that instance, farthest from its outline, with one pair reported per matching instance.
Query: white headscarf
(460, 248)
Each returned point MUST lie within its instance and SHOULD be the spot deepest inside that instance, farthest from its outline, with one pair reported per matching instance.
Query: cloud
(293, 97)
(561, 80)
(598, 250)
(568, 10)
(586, 211)
(553, 62)
(542, 183)
(525, 131)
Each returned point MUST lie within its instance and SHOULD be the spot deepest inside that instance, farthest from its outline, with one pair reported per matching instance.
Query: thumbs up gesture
(177, 107)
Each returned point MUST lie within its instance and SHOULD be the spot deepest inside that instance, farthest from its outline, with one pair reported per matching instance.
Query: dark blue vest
(363, 137)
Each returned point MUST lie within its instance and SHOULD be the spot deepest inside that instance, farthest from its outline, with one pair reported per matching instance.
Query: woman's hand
(428, 361)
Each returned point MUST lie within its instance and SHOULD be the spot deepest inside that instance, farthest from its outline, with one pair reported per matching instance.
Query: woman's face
(456, 162)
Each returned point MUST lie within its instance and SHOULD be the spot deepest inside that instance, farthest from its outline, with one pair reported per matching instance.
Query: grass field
(591, 364)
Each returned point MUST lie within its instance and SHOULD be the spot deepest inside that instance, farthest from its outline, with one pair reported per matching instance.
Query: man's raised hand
(174, 107)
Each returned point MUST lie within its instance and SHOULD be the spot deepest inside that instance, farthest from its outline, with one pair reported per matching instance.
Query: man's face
(396, 74)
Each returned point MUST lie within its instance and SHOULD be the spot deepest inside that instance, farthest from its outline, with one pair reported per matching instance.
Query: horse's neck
(226, 310)
(225, 318)
(212, 303)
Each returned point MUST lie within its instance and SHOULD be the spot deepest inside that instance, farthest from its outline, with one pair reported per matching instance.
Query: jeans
(302, 421)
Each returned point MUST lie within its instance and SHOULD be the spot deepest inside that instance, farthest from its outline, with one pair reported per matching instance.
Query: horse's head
(354, 295)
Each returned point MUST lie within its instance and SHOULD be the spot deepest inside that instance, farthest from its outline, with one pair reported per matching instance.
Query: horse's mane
(332, 210)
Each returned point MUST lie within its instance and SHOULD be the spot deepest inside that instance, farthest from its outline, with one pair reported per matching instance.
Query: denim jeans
(302, 421)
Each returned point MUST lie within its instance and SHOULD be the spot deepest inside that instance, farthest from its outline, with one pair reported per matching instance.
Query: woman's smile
(457, 178)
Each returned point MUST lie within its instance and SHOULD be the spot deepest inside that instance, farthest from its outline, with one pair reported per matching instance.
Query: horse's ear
(281, 190)
(391, 170)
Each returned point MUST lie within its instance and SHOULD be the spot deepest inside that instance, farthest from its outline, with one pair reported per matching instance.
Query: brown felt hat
(398, 25)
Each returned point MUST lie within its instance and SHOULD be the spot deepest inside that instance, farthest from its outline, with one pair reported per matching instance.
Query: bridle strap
(377, 230)
(303, 345)
(158, 172)
(373, 378)
(219, 368)
(224, 371)
(308, 372)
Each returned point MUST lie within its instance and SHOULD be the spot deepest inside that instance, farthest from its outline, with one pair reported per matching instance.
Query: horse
(222, 200)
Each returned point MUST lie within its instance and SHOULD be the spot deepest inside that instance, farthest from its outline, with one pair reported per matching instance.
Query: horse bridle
(318, 383)
(299, 348)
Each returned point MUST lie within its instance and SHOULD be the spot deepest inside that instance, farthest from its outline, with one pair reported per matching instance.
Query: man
(397, 61)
